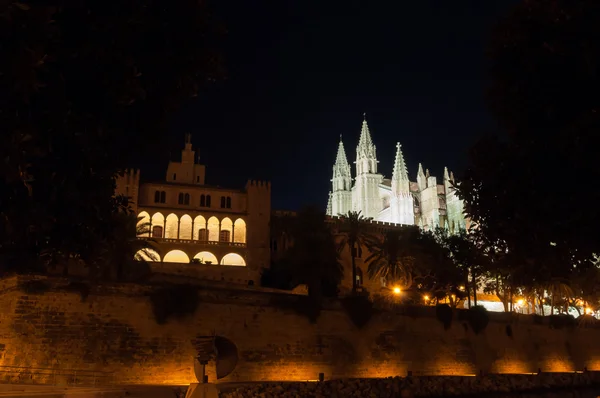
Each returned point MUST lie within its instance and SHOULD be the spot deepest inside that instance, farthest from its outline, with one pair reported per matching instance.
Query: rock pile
(394, 387)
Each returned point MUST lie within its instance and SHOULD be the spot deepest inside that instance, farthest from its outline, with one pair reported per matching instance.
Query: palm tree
(121, 250)
(393, 257)
(354, 237)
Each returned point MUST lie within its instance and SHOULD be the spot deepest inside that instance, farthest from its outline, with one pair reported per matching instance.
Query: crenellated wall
(112, 329)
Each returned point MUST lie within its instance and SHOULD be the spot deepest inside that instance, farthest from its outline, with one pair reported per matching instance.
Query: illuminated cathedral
(396, 200)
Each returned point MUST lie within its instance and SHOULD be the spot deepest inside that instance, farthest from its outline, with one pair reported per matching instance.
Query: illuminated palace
(397, 200)
(221, 233)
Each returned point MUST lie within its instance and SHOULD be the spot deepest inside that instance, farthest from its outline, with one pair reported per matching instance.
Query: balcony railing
(196, 242)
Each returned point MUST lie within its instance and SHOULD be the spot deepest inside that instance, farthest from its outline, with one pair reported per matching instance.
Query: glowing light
(461, 288)
(397, 290)
(588, 311)
(520, 302)
(426, 298)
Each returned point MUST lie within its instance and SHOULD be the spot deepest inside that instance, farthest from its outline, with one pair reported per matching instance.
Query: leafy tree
(313, 257)
(525, 190)
(121, 254)
(81, 85)
(354, 237)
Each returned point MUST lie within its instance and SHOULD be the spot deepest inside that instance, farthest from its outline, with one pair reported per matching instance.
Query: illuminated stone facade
(206, 227)
(398, 200)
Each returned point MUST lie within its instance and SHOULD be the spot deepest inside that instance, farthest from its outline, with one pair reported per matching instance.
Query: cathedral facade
(397, 200)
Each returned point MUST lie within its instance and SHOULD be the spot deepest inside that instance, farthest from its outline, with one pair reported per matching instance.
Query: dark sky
(302, 72)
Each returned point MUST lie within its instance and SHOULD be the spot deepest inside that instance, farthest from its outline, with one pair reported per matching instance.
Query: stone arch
(226, 230)
(200, 228)
(206, 257)
(239, 231)
(185, 227)
(171, 230)
(158, 224)
(233, 259)
(143, 224)
(213, 229)
(149, 255)
(176, 256)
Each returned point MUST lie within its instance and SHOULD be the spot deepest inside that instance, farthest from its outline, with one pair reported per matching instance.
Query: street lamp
(397, 290)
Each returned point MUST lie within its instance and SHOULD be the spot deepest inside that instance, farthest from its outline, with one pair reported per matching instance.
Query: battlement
(258, 184)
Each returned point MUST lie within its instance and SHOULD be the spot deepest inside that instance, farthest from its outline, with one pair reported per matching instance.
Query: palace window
(202, 234)
(204, 200)
(157, 231)
(186, 199)
(197, 178)
(180, 199)
(174, 176)
(207, 200)
(160, 197)
(225, 236)
(228, 204)
(222, 202)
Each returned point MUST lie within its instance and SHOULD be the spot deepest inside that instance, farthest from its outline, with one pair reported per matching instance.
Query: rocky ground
(417, 386)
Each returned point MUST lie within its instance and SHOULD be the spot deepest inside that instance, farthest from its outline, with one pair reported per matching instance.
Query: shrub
(478, 318)
(443, 313)
(359, 308)
(177, 301)
(301, 305)
(562, 321)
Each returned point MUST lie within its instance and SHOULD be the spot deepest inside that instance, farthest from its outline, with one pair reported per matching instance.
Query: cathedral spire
(421, 179)
(400, 181)
(341, 168)
(366, 157)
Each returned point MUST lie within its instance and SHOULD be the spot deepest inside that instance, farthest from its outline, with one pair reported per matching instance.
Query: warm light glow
(185, 227)
(588, 311)
(461, 288)
(520, 302)
(207, 257)
(213, 229)
(426, 298)
(176, 256)
(239, 231)
(233, 259)
(397, 290)
(172, 226)
(226, 225)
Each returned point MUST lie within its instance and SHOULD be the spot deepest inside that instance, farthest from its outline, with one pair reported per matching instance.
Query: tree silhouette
(354, 237)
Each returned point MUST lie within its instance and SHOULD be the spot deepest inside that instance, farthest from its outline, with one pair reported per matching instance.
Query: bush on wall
(359, 309)
(302, 305)
(443, 313)
(478, 318)
(176, 301)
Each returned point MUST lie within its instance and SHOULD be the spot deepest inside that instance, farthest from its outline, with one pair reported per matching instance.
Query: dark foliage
(81, 85)
(176, 301)
(302, 305)
(444, 314)
(313, 258)
(562, 321)
(359, 309)
(478, 318)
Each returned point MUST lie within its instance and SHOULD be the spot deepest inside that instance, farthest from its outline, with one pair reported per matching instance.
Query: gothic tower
(341, 193)
(402, 204)
(366, 191)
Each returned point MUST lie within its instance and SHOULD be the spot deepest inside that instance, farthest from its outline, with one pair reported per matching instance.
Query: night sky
(300, 73)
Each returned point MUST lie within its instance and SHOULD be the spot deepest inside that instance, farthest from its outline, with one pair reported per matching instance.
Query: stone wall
(65, 328)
